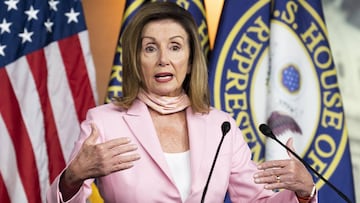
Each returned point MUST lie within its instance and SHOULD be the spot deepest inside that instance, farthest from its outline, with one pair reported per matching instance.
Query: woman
(157, 143)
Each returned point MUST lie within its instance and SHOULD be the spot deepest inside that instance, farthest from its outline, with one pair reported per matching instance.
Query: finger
(289, 143)
(274, 180)
(128, 158)
(114, 143)
(273, 164)
(94, 134)
(270, 173)
(125, 162)
(266, 179)
(123, 166)
(123, 149)
(275, 186)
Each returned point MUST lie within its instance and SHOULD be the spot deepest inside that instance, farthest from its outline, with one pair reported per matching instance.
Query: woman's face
(164, 57)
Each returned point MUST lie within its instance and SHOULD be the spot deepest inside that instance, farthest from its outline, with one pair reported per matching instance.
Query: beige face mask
(164, 104)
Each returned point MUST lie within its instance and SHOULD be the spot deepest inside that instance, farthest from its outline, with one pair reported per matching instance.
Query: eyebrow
(177, 36)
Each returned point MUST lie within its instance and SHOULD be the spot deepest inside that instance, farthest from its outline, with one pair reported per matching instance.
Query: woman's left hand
(288, 174)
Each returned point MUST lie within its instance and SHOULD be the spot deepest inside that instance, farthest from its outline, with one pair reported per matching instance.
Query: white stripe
(84, 41)
(8, 167)
(62, 102)
(26, 93)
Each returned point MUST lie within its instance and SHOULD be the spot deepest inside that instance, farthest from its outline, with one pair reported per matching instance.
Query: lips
(163, 77)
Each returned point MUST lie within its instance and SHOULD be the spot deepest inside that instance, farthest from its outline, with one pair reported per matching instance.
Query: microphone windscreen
(225, 127)
(266, 130)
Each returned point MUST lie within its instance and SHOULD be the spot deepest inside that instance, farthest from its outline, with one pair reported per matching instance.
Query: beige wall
(104, 21)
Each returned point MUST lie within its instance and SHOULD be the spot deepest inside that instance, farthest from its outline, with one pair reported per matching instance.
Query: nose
(163, 58)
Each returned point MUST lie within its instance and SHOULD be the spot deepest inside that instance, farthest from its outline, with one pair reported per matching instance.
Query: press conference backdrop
(340, 15)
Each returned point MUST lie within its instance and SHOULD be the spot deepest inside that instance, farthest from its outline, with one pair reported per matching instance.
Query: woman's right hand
(95, 160)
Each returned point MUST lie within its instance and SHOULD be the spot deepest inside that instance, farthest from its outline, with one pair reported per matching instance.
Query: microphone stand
(268, 132)
(225, 127)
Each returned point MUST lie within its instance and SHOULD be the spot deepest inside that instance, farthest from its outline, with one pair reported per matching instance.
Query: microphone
(225, 128)
(266, 130)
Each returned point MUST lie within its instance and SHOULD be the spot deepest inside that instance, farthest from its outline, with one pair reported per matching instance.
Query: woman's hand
(95, 160)
(288, 174)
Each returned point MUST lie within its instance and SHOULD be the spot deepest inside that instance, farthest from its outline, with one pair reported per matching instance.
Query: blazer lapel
(140, 123)
(198, 137)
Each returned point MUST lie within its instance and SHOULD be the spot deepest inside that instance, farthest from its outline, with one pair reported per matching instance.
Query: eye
(175, 47)
(150, 49)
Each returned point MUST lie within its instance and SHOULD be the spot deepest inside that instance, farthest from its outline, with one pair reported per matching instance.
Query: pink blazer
(150, 179)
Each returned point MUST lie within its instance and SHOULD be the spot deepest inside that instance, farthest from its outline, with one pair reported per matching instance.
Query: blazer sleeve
(53, 194)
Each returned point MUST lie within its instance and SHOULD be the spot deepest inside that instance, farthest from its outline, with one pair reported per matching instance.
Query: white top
(179, 164)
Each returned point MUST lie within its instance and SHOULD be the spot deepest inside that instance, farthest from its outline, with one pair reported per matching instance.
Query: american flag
(47, 83)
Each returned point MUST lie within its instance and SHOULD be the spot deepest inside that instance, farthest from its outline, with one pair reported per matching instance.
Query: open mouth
(163, 77)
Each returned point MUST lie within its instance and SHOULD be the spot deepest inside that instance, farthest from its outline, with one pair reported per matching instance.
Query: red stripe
(4, 196)
(38, 68)
(25, 158)
(77, 75)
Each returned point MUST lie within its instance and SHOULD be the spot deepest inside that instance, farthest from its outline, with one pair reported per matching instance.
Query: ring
(278, 179)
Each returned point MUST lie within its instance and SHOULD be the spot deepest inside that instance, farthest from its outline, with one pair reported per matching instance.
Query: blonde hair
(195, 83)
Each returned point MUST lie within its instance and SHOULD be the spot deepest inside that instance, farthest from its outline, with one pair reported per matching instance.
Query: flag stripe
(77, 77)
(3, 191)
(86, 52)
(37, 63)
(11, 114)
(8, 168)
